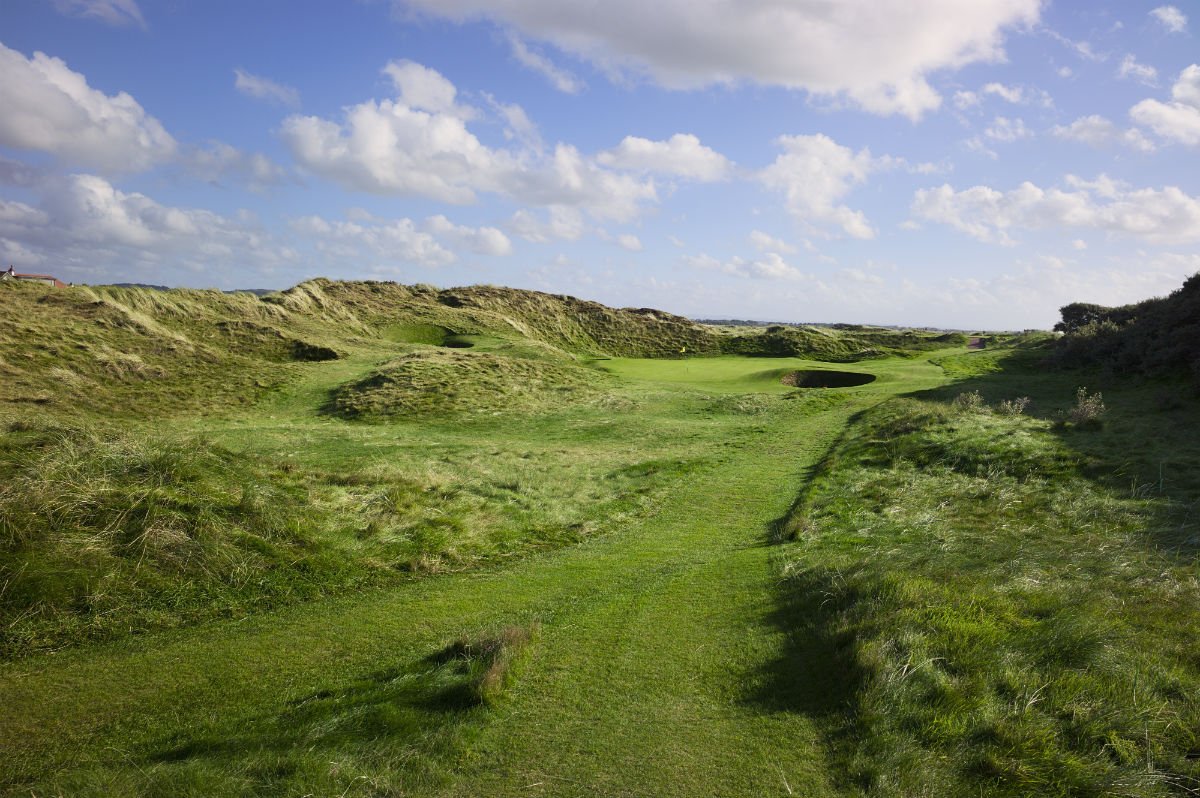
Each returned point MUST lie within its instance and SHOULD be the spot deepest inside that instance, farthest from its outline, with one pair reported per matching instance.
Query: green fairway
(655, 671)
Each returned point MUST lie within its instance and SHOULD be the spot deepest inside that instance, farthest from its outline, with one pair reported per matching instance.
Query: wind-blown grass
(1013, 627)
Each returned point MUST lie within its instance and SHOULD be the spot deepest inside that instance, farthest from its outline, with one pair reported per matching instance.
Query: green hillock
(449, 382)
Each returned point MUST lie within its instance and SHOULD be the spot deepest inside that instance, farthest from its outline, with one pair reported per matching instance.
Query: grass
(623, 577)
(1017, 620)
(346, 692)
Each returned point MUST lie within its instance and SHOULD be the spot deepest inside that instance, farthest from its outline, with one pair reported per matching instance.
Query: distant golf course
(369, 540)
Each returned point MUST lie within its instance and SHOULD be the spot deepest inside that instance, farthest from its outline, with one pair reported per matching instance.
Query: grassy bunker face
(826, 379)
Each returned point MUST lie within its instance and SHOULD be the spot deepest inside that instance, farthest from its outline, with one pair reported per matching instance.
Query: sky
(917, 162)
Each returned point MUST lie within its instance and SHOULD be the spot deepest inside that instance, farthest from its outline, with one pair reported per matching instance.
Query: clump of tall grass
(491, 662)
(102, 532)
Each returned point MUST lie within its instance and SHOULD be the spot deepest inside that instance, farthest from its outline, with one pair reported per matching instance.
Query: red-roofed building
(45, 279)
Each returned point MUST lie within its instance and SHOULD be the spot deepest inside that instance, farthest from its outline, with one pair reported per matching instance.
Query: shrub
(1013, 407)
(1088, 409)
(969, 401)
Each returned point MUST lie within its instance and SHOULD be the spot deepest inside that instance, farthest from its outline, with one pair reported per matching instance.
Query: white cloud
(419, 87)
(480, 240)
(1178, 120)
(681, 155)
(1170, 18)
(766, 243)
(630, 242)
(770, 266)
(47, 107)
(560, 78)
(431, 243)
(419, 144)
(966, 99)
(1008, 130)
(877, 54)
(118, 13)
(85, 226)
(218, 162)
(561, 224)
(1130, 68)
(1097, 131)
(265, 89)
(1083, 49)
(391, 242)
(517, 124)
(814, 173)
(1012, 94)
(975, 144)
(1160, 216)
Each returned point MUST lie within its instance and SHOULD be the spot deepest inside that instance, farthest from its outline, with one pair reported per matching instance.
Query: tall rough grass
(1011, 627)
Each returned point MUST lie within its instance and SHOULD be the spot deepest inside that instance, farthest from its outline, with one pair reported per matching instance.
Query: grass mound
(839, 344)
(447, 382)
(1008, 625)
(490, 663)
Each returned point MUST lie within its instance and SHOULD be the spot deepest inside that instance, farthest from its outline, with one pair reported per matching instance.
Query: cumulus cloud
(389, 243)
(418, 86)
(1178, 120)
(480, 240)
(879, 55)
(85, 225)
(1159, 216)
(682, 155)
(50, 108)
(560, 224)
(770, 266)
(767, 243)
(1097, 131)
(265, 89)
(1012, 94)
(814, 173)
(218, 163)
(1171, 18)
(1007, 130)
(1130, 68)
(560, 78)
(419, 144)
(118, 13)
(630, 242)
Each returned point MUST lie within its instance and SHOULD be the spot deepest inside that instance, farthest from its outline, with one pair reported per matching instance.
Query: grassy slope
(1012, 597)
(266, 705)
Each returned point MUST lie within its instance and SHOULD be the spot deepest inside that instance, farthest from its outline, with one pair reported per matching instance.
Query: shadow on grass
(400, 705)
(817, 673)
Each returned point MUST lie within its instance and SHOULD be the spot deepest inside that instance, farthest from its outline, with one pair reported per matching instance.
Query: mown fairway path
(666, 664)
(668, 682)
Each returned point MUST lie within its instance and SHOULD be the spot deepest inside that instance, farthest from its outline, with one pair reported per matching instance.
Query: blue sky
(923, 162)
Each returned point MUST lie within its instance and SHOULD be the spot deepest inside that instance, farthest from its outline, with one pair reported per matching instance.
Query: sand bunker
(826, 379)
